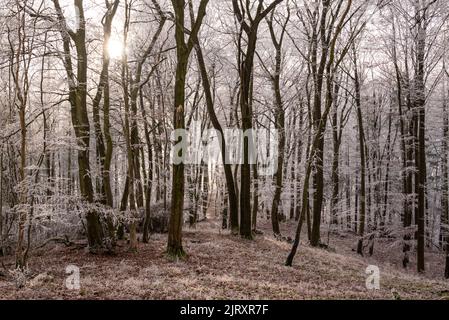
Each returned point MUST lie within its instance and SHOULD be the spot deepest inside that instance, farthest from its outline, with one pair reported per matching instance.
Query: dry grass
(219, 266)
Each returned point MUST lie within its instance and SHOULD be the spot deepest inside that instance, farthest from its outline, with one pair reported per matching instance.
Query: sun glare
(115, 49)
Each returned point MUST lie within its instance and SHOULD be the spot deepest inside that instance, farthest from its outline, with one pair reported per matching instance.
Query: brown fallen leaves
(218, 266)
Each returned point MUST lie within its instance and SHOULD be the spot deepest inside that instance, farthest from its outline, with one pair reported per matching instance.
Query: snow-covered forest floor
(221, 266)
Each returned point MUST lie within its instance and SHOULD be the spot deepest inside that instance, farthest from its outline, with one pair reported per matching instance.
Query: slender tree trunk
(255, 197)
(319, 134)
(421, 173)
(387, 174)
(348, 195)
(149, 179)
(406, 157)
(444, 220)
(298, 174)
(1, 201)
(128, 129)
(123, 206)
(335, 176)
(104, 142)
(230, 184)
(130, 162)
(362, 149)
(279, 116)
(280, 127)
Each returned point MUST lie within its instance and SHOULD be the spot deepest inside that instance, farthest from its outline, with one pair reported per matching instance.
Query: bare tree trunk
(149, 178)
(123, 206)
(230, 184)
(20, 63)
(77, 97)
(387, 174)
(406, 151)
(246, 62)
(128, 130)
(105, 149)
(362, 150)
(183, 49)
(335, 172)
(319, 133)
(337, 128)
(420, 101)
(1, 201)
(255, 198)
(444, 220)
(279, 115)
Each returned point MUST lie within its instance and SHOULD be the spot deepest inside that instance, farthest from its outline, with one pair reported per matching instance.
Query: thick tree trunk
(80, 119)
(248, 143)
(177, 209)
(319, 67)
(183, 49)
(246, 62)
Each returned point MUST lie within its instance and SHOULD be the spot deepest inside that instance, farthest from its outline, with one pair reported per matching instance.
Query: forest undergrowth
(221, 266)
